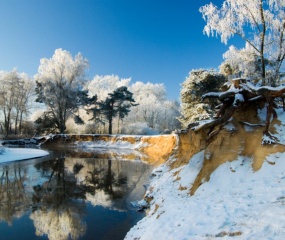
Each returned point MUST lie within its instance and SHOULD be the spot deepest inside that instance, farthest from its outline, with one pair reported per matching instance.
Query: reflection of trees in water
(64, 222)
(59, 203)
(60, 200)
(108, 182)
(14, 199)
(60, 184)
(103, 178)
(61, 188)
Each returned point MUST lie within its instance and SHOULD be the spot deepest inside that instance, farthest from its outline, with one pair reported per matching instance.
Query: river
(72, 194)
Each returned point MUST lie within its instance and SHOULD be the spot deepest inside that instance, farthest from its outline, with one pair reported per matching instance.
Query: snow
(236, 202)
(16, 154)
(104, 144)
(117, 147)
(259, 88)
(230, 127)
(238, 99)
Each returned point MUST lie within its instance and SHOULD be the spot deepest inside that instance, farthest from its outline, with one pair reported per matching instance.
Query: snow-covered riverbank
(235, 202)
(16, 154)
(229, 191)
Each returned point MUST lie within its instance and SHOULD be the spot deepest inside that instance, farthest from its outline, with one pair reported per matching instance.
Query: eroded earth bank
(225, 185)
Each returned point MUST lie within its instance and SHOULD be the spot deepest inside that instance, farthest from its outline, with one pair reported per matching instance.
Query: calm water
(71, 195)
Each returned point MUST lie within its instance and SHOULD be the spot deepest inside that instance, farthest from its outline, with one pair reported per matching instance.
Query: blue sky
(157, 41)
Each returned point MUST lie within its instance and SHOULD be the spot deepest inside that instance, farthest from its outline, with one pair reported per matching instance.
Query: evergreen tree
(118, 103)
(196, 84)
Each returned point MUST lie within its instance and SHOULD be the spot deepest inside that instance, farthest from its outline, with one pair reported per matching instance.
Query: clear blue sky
(157, 41)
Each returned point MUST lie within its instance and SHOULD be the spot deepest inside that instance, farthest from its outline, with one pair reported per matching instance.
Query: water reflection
(63, 194)
(13, 196)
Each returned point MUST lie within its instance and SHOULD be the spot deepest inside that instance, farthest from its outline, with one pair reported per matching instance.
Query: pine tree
(118, 103)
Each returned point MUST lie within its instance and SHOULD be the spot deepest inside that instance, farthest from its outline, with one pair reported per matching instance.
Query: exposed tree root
(239, 93)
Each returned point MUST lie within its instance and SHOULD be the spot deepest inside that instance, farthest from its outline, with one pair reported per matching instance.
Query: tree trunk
(262, 36)
(270, 102)
(7, 122)
(16, 123)
(62, 126)
(118, 130)
(281, 56)
(20, 122)
(110, 124)
(110, 117)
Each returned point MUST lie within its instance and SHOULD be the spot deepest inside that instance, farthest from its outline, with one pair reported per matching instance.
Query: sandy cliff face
(159, 148)
(225, 147)
(237, 138)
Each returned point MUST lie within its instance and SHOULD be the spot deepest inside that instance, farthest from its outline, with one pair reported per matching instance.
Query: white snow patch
(229, 127)
(262, 114)
(280, 128)
(104, 144)
(119, 144)
(16, 154)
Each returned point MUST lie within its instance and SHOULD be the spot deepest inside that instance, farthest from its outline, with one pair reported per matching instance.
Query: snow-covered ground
(16, 154)
(236, 202)
(120, 145)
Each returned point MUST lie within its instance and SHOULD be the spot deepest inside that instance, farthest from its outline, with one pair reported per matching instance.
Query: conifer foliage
(118, 103)
(199, 82)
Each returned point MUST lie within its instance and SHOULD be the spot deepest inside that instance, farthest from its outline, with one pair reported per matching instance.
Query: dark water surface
(71, 195)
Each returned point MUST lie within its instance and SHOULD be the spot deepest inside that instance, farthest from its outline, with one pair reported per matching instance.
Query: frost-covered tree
(196, 84)
(16, 90)
(103, 85)
(260, 23)
(241, 62)
(23, 103)
(60, 81)
(100, 86)
(153, 114)
(9, 88)
(149, 96)
(166, 120)
(154, 109)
